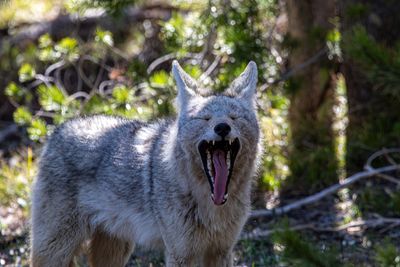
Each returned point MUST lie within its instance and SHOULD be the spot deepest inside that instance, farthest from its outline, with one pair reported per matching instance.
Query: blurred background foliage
(328, 98)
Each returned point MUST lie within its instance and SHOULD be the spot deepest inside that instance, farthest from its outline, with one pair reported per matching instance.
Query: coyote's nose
(222, 129)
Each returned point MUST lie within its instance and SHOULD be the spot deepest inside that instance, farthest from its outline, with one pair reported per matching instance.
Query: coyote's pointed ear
(245, 85)
(187, 86)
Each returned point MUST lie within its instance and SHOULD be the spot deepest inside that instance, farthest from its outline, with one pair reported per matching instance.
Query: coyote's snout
(117, 182)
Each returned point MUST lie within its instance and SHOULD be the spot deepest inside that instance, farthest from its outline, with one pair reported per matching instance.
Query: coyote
(113, 183)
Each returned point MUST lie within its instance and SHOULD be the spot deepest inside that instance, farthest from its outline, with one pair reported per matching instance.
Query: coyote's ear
(245, 85)
(187, 86)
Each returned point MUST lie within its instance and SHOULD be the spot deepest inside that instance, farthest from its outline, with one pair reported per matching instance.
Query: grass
(16, 176)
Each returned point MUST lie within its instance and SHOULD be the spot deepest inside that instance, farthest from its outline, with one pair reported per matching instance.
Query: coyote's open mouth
(218, 158)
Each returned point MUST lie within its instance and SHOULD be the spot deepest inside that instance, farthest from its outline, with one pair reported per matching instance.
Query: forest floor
(354, 245)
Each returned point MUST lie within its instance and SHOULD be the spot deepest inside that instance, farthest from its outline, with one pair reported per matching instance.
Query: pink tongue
(221, 176)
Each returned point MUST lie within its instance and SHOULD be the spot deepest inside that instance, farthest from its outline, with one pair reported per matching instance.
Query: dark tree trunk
(372, 112)
(312, 155)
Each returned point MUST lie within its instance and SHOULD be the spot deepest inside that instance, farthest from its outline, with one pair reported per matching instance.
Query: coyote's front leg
(218, 259)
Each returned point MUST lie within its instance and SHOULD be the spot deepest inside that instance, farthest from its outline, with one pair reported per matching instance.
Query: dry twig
(384, 152)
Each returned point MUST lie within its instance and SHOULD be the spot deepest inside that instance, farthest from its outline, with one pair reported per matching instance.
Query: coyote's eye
(204, 118)
(233, 117)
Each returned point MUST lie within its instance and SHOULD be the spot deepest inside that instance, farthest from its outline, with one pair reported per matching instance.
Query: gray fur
(120, 182)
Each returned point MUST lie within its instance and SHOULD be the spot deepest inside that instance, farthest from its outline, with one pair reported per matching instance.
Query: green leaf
(51, 98)
(95, 104)
(193, 70)
(159, 78)
(104, 37)
(387, 255)
(26, 72)
(270, 181)
(37, 130)
(48, 54)
(67, 45)
(45, 41)
(14, 91)
(122, 94)
(334, 36)
(22, 116)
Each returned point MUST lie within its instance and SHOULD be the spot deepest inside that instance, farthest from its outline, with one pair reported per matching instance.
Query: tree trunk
(312, 157)
(372, 112)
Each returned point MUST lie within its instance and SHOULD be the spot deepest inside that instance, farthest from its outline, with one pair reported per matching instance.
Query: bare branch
(39, 79)
(104, 85)
(210, 69)
(79, 94)
(288, 74)
(59, 81)
(42, 113)
(324, 193)
(53, 67)
(382, 152)
(166, 58)
(385, 176)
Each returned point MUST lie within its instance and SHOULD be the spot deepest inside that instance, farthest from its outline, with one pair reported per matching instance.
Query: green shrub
(295, 250)
(387, 255)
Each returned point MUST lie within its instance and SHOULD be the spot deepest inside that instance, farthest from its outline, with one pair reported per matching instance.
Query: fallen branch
(257, 234)
(324, 193)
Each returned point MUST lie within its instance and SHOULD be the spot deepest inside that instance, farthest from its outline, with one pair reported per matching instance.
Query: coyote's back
(165, 184)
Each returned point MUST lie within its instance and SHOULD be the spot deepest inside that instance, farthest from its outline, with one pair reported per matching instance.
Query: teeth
(226, 196)
(213, 142)
(209, 166)
(230, 142)
(228, 160)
